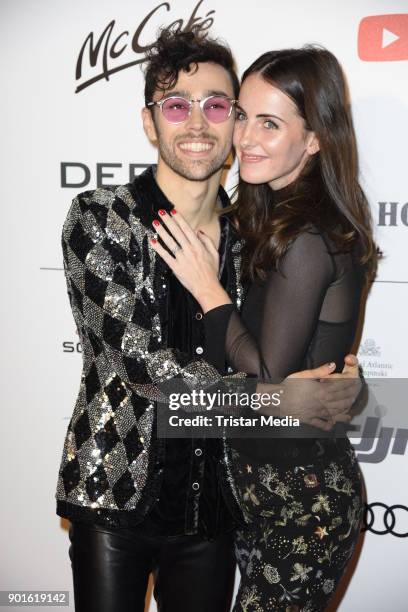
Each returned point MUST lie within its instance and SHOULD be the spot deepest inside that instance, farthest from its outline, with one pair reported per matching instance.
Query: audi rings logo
(381, 519)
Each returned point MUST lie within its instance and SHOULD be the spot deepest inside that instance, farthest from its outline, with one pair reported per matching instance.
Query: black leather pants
(111, 569)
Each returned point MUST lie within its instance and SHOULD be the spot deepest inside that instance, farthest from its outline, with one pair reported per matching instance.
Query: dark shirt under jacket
(190, 499)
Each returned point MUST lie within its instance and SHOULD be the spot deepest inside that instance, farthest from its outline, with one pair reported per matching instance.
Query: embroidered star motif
(321, 532)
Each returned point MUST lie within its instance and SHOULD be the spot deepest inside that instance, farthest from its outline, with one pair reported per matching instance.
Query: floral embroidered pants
(304, 525)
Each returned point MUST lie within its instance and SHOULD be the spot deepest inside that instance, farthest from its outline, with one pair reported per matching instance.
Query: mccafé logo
(113, 51)
(383, 38)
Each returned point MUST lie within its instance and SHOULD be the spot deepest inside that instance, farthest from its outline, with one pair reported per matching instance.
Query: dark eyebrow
(268, 115)
(263, 115)
(216, 92)
(182, 93)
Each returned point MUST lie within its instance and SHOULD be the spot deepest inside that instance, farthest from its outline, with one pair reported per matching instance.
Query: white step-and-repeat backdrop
(70, 108)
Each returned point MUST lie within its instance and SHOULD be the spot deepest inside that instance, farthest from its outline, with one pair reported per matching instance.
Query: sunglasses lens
(175, 110)
(217, 109)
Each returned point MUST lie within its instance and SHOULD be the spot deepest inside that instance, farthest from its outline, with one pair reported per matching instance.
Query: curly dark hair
(174, 51)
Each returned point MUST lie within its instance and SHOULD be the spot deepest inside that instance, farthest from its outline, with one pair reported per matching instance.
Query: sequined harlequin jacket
(112, 461)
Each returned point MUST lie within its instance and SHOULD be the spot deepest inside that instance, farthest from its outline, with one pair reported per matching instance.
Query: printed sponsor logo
(380, 519)
(377, 442)
(77, 175)
(113, 51)
(373, 367)
(369, 348)
(383, 38)
(392, 214)
(69, 346)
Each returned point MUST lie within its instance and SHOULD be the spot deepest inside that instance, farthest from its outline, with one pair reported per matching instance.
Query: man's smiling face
(196, 148)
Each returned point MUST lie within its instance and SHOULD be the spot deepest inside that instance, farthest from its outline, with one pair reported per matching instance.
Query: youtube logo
(383, 38)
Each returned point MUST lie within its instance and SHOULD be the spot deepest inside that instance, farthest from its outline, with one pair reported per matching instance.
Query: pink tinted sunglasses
(176, 109)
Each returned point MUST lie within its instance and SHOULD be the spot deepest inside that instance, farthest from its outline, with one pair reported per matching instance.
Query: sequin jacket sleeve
(112, 280)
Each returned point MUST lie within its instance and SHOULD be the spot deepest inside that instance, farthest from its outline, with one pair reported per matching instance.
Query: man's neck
(196, 200)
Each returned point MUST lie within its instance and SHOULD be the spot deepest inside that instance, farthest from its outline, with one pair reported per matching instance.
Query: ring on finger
(175, 249)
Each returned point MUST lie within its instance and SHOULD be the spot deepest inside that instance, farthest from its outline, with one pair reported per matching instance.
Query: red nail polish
(153, 240)
(162, 212)
(173, 211)
(156, 223)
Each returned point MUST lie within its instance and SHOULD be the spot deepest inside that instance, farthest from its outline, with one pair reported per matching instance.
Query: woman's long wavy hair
(327, 193)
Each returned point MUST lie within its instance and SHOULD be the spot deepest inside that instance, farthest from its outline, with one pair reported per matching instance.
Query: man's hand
(320, 398)
(343, 389)
(335, 396)
(301, 399)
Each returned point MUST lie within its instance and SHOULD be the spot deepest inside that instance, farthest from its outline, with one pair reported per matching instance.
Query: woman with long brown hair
(308, 250)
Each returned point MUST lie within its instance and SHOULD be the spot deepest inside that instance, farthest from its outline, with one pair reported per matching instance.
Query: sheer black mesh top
(300, 317)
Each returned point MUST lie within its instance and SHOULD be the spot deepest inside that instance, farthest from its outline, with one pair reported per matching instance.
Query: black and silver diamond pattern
(118, 299)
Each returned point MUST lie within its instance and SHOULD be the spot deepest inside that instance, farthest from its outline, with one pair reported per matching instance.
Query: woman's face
(270, 138)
